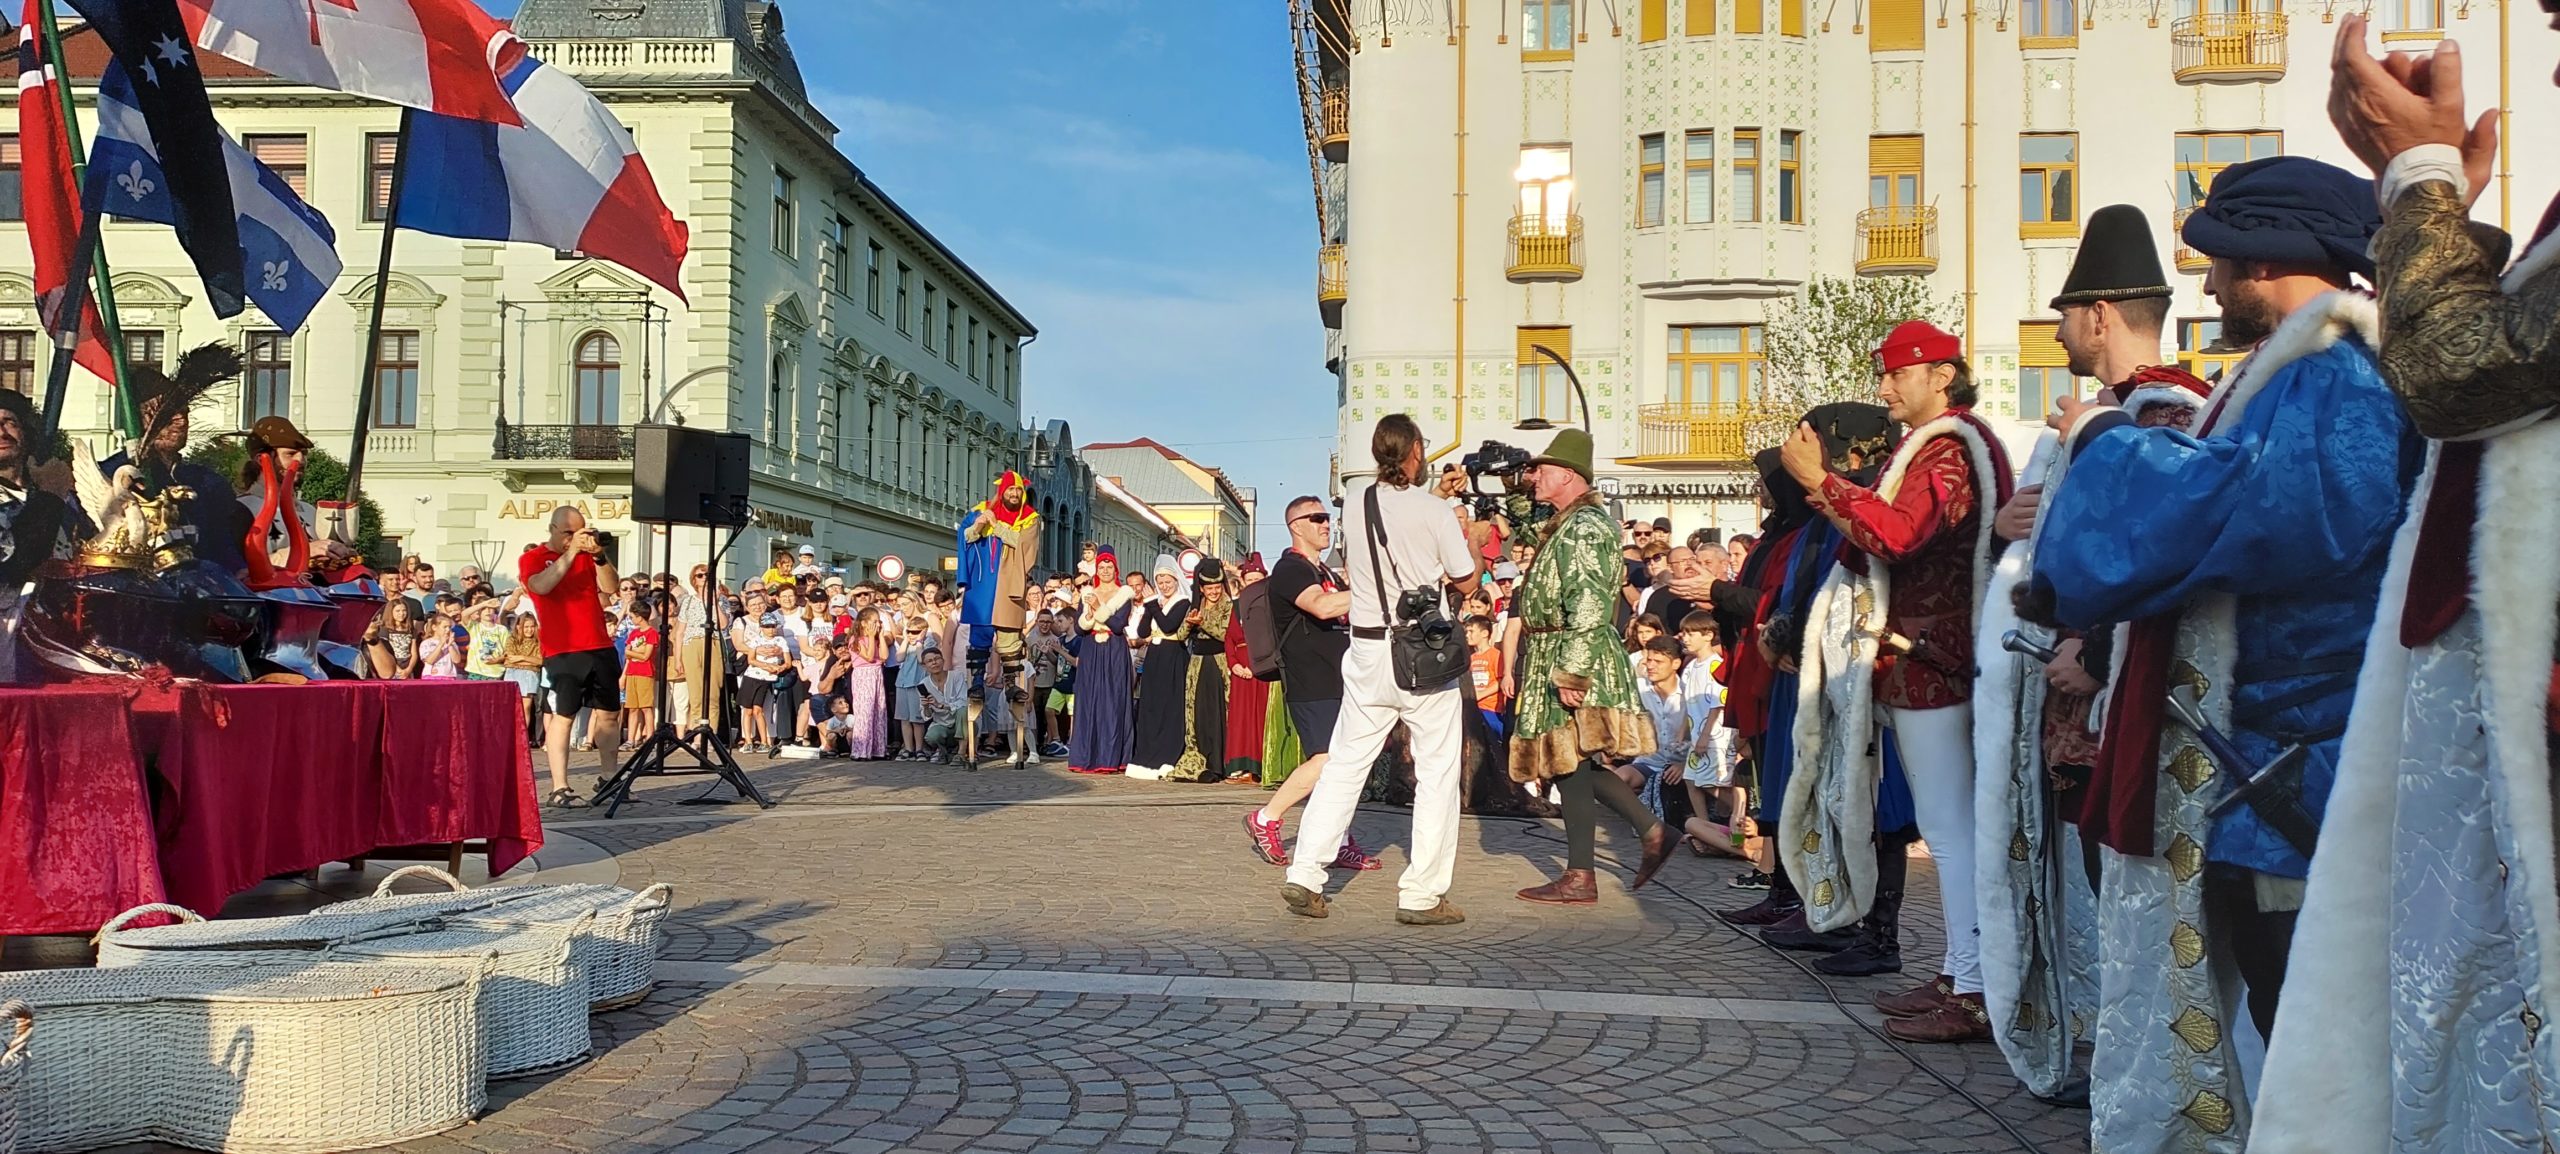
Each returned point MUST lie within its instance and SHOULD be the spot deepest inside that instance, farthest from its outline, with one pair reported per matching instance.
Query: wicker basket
(619, 953)
(257, 1058)
(298, 938)
(533, 1007)
(13, 1058)
(457, 898)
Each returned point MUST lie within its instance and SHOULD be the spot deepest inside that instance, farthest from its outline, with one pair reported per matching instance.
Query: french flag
(440, 56)
(569, 177)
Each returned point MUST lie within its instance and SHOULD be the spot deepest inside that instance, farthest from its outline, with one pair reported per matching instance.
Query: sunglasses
(1317, 518)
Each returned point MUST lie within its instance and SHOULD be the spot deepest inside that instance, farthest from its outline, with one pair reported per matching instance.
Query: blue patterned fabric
(2290, 509)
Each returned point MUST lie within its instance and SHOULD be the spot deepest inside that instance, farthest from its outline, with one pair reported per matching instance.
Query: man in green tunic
(1578, 704)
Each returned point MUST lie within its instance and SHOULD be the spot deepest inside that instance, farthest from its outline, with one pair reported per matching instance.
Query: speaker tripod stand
(709, 751)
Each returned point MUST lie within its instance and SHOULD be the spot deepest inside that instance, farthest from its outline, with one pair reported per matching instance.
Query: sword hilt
(2016, 641)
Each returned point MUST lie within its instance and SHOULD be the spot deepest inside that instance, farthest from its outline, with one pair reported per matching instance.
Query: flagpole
(381, 294)
(88, 258)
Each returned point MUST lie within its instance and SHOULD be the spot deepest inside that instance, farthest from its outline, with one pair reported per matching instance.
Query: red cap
(1917, 343)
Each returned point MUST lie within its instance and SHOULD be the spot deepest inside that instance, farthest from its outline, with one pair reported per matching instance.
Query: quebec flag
(289, 251)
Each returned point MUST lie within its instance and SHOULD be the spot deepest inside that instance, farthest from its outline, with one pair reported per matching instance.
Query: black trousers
(2259, 941)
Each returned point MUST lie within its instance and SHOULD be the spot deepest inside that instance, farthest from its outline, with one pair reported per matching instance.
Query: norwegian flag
(51, 199)
(440, 56)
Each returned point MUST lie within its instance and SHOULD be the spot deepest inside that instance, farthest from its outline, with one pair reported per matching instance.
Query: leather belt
(1369, 632)
(1536, 629)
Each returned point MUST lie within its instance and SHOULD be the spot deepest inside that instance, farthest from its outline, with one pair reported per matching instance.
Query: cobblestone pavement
(916, 958)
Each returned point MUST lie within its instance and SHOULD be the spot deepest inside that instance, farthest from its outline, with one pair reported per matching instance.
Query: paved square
(913, 958)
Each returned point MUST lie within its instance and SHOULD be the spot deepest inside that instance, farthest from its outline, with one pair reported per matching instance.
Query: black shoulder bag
(1424, 650)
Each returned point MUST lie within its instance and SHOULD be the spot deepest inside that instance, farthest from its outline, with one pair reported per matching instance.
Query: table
(245, 782)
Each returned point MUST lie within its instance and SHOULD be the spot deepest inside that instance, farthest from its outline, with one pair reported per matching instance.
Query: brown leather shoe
(1919, 1000)
(1442, 914)
(1304, 902)
(1574, 888)
(1657, 850)
(1960, 1018)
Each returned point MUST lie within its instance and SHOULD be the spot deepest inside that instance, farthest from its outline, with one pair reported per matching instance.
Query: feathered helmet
(164, 398)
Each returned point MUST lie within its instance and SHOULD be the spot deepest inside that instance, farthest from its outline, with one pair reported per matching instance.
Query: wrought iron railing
(2188, 260)
(1545, 248)
(2228, 46)
(563, 443)
(1902, 238)
(1335, 134)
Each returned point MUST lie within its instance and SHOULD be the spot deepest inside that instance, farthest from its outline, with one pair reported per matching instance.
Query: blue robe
(980, 561)
(2290, 508)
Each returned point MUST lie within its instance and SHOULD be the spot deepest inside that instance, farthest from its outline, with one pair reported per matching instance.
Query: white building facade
(1632, 182)
(879, 376)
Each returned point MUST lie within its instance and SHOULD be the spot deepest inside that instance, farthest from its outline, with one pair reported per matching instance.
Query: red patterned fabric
(75, 822)
(1928, 535)
(1248, 700)
(1746, 693)
(246, 782)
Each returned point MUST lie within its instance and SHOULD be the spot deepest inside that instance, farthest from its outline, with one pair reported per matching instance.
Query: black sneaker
(1754, 880)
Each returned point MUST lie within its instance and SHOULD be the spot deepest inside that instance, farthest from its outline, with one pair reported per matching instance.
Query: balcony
(563, 443)
(1333, 283)
(2227, 47)
(2189, 260)
(1334, 132)
(1545, 249)
(1687, 433)
(1898, 241)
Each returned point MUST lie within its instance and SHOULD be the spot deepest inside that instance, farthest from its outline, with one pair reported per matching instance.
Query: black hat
(2118, 260)
(1847, 426)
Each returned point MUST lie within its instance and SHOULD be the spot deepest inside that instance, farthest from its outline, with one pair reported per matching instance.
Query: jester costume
(999, 546)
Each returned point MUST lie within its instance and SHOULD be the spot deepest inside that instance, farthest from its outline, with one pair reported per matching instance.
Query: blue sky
(1131, 175)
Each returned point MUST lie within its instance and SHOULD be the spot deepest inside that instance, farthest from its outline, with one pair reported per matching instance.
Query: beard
(2247, 318)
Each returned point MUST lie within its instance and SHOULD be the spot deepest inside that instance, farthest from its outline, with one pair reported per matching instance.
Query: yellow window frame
(1700, 19)
(1650, 170)
(1533, 47)
(1790, 176)
(1896, 26)
(1553, 397)
(2050, 170)
(1691, 166)
(1746, 167)
(2068, 36)
(2201, 172)
(1691, 367)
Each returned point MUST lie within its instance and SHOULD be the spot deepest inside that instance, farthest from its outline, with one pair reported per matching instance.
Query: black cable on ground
(1828, 990)
(1538, 828)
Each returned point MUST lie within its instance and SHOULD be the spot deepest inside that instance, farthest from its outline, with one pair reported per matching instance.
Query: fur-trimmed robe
(2286, 507)
(1565, 604)
(2417, 1012)
(1826, 829)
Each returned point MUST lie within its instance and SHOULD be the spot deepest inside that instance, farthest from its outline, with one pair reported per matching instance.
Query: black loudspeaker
(682, 476)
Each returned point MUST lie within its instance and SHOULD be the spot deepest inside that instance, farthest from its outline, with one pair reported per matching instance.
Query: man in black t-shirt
(1311, 611)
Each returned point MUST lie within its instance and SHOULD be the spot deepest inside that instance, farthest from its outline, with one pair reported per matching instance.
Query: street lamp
(1541, 423)
(659, 413)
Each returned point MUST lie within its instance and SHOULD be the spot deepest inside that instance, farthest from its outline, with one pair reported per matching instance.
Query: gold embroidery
(2185, 673)
(1812, 842)
(2018, 846)
(2532, 1027)
(2186, 858)
(2190, 768)
(2030, 1017)
(2197, 1029)
(2210, 1111)
(2186, 944)
(2463, 355)
(1822, 893)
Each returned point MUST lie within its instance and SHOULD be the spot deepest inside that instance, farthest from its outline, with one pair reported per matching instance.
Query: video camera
(1508, 467)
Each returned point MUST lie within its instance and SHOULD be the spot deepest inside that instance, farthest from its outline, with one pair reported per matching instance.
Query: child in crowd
(835, 735)
(1660, 691)
(946, 707)
(1484, 666)
(640, 673)
(1642, 632)
(1709, 772)
(1069, 645)
(911, 673)
(520, 661)
(487, 637)
(820, 655)
(767, 657)
(441, 644)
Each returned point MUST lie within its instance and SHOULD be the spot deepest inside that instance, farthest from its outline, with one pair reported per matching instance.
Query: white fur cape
(2165, 1074)
(1826, 828)
(2334, 1077)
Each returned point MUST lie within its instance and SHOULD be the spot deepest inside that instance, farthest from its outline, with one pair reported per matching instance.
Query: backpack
(1261, 633)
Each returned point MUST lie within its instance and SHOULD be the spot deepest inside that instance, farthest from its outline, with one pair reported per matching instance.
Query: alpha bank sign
(1737, 488)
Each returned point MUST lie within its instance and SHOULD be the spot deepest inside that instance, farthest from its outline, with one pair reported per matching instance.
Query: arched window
(599, 380)
(774, 427)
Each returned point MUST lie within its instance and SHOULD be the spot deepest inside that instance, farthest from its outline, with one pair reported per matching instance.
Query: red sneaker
(1353, 857)
(1264, 836)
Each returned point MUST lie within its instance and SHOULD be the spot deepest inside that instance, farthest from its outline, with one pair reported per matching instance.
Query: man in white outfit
(1425, 549)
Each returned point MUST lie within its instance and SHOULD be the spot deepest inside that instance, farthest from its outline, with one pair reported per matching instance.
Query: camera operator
(1394, 589)
(569, 577)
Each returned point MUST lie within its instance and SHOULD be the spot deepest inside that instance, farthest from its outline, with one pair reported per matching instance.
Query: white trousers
(1371, 706)
(1937, 756)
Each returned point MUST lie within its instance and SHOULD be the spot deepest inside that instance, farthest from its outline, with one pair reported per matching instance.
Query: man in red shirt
(568, 579)
(1926, 530)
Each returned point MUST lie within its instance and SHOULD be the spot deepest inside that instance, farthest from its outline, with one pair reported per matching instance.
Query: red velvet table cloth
(248, 782)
